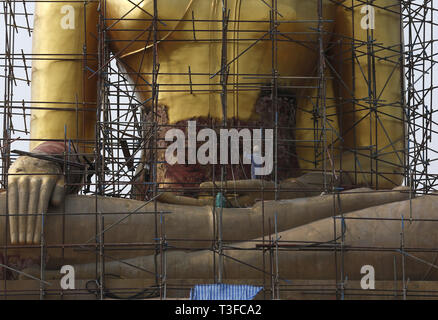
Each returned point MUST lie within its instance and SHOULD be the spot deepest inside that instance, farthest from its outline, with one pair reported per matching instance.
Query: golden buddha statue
(319, 56)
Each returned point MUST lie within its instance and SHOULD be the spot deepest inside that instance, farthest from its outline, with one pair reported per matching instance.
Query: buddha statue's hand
(240, 193)
(236, 193)
(32, 184)
(245, 193)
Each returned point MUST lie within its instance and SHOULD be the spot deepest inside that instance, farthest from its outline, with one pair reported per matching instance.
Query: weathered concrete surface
(374, 241)
(134, 223)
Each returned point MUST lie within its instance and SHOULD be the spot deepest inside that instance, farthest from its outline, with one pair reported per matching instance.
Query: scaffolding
(129, 135)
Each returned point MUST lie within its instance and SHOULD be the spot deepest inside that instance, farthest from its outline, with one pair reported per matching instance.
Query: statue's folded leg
(70, 237)
(308, 251)
(298, 220)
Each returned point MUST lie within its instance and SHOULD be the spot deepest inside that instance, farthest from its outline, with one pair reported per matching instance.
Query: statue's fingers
(47, 186)
(241, 201)
(240, 185)
(13, 210)
(246, 192)
(58, 192)
(34, 197)
(23, 201)
(170, 197)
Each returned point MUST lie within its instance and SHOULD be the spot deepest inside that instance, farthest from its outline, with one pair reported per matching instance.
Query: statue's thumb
(58, 192)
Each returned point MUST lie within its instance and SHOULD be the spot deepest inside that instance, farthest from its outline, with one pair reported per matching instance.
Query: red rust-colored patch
(51, 147)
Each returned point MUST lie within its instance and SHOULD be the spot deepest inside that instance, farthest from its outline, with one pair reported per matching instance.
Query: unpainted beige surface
(130, 222)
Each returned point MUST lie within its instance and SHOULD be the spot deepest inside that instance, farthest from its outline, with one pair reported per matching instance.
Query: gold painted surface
(354, 121)
(249, 52)
(372, 127)
(63, 62)
(182, 46)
